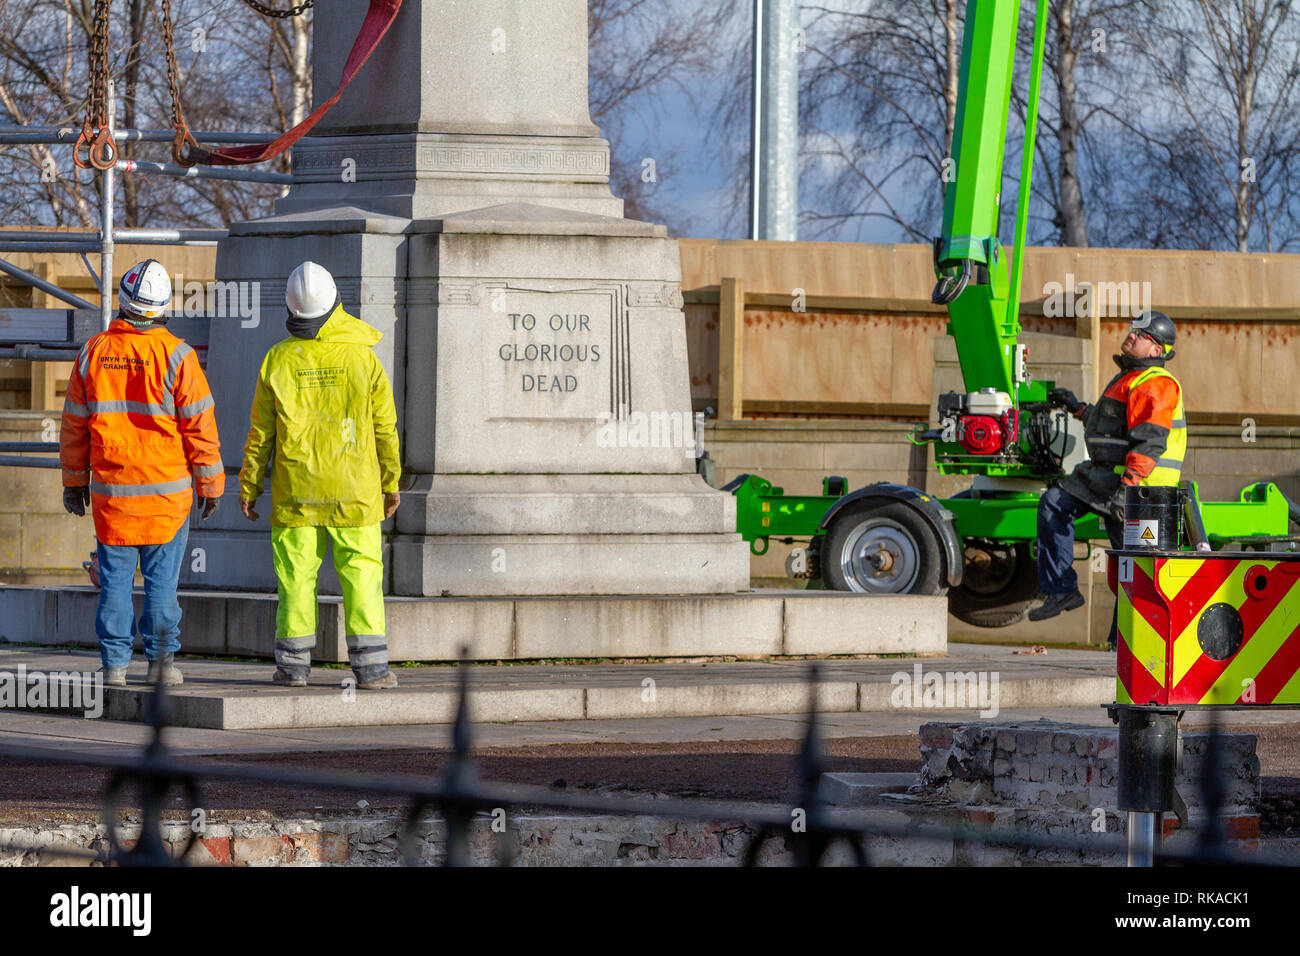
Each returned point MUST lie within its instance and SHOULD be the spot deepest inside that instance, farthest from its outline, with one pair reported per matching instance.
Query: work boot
(114, 676)
(1055, 604)
(388, 679)
(171, 674)
(283, 678)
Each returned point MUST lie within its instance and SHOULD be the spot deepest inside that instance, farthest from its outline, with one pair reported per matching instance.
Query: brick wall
(1070, 769)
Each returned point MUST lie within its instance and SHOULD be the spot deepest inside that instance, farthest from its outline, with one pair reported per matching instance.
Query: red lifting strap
(378, 19)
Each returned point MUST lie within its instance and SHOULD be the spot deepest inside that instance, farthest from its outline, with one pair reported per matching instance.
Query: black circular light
(1220, 631)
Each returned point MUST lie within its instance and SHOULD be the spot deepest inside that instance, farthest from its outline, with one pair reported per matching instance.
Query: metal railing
(458, 795)
(8, 448)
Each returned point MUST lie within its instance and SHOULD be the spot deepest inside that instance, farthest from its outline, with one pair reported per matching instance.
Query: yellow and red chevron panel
(1207, 629)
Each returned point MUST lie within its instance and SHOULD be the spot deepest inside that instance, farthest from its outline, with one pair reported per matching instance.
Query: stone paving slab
(748, 624)
(226, 695)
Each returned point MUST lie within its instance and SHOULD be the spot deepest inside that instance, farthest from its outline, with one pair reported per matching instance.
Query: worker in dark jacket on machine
(1136, 434)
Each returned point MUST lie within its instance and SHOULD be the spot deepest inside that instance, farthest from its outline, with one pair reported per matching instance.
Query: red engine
(987, 434)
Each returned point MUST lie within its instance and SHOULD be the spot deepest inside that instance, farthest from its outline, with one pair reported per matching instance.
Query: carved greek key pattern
(459, 293)
(654, 295)
(461, 159)
(513, 159)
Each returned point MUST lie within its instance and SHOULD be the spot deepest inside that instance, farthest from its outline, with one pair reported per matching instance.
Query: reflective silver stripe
(130, 491)
(76, 408)
(1169, 463)
(134, 408)
(174, 364)
(209, 471)
(296, 643)
(189, 411)
(1178, 423)
(83, 361)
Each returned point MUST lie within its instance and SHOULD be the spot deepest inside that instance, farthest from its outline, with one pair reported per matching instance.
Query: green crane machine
(977, 546)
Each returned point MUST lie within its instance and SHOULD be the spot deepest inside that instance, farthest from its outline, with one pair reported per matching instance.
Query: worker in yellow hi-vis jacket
(325, 405)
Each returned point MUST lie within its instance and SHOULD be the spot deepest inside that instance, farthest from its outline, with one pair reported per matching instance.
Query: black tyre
(876, 547)
(999, 583)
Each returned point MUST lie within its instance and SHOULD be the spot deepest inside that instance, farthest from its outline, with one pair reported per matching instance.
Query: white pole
(1142, 835)
(774, 175)
(756, 127)
(106, 228)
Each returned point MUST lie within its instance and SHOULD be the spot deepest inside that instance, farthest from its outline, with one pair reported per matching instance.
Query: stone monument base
(567, 534)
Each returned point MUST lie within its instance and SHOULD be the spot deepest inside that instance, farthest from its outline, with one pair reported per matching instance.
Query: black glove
(76, 500)
(209, 506)
(1116, 503)
(1064, 398)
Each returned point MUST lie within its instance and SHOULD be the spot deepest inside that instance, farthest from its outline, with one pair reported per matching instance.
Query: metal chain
(95, 139)
(281, 14)
(95, 146)
(99, 39)
(185, 149)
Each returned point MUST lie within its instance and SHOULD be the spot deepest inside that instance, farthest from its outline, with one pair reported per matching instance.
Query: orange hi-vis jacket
(138, 421)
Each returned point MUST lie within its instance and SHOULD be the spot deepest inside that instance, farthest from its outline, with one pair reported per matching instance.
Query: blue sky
(697, 181)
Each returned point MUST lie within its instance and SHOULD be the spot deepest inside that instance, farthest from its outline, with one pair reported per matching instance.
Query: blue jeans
(160, 623)
(1057, 511)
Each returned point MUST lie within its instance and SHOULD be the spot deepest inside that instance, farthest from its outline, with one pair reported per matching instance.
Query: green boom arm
(970, 262)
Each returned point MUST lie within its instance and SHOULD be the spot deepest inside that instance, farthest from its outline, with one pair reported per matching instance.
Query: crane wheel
(999, 583)
(875, 547)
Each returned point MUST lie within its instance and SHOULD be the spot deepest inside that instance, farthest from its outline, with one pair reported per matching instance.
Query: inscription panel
(553, 355)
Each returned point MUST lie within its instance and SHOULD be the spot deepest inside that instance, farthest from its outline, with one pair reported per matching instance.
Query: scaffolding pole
(90, 245)
(37, 282)
(53, 135)
(171, 237)
(107, 181)
(202, 172)
(104, 241)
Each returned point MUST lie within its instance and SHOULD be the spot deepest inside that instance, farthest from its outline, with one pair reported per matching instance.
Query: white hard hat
(310, 292)
(145, 290)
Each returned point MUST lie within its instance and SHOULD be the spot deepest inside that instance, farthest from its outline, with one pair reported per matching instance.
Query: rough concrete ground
(740, 758)
(724, 757)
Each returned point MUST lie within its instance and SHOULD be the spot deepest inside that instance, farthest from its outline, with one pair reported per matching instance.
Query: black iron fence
(459, 794)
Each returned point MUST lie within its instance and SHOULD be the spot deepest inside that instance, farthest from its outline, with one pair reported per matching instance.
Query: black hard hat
(1157, 325)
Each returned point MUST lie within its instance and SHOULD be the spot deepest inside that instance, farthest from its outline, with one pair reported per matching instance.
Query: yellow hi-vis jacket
(326, 407)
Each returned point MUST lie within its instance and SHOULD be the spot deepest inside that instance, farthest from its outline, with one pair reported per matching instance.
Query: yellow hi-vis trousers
(359, 561)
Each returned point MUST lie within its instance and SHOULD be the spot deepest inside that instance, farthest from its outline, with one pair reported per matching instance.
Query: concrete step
(863, 789)
(233, 696)
(753, 624)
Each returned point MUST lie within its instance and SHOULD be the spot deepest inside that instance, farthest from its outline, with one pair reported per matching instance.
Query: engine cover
(980, 434)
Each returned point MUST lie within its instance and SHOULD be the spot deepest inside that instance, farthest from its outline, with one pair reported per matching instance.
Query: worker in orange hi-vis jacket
(139, 438)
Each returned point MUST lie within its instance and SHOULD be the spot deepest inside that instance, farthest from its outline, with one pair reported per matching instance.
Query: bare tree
(234, 64)
(1086, 77)
(639, 52)
(1220, 162)
(878, 96)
